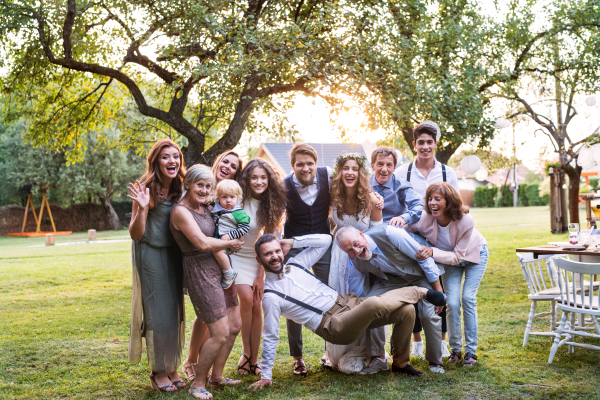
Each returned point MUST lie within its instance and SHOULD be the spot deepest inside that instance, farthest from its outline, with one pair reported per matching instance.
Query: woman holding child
(264, 201)
(463, 252)
(157, 312)
(227, 165)
(193, 227)
(354, 204)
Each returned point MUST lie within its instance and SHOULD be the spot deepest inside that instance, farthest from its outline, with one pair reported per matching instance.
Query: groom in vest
(307, 212)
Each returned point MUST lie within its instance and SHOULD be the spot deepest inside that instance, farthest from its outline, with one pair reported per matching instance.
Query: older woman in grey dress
(157, 312)
(193, 228)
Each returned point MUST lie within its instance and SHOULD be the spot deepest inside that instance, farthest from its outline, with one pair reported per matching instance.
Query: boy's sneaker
(228, 278)
(417, 350)
(445, 351)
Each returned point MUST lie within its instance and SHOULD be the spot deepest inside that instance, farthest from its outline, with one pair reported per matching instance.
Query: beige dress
(244, 261)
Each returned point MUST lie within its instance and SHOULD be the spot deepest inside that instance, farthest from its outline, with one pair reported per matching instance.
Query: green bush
(523, 200)
(594, 183)
(545, 199)
(484, 196)
(533, 195)
(507, 199)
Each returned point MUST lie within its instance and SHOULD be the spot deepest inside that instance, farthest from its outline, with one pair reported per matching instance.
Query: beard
(309, 181)
(275, 267)
(368, 254)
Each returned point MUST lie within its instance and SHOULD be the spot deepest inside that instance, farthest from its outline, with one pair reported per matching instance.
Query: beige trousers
(351, 316)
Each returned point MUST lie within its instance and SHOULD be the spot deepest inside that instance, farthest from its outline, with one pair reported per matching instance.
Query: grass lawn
(64, 326)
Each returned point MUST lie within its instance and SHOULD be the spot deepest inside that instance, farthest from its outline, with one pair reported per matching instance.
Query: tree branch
(284, 88)
(68, 29)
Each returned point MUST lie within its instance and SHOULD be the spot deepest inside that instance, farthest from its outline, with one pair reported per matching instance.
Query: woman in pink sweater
(463, 253)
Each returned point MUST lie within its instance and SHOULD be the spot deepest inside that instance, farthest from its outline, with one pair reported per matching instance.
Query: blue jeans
(452, 280)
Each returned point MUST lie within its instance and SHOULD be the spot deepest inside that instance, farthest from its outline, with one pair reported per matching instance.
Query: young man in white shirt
(293, 292)
(421, 173)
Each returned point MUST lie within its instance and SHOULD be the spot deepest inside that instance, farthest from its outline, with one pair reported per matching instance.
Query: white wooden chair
(575, 300)
(542, 281)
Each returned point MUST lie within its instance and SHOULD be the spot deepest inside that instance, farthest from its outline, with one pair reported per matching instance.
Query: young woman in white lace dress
(354, 204)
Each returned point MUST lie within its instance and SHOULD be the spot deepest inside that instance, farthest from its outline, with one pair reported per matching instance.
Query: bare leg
(246, 296)
(234, 325)
(219, 335)
(417, 337)
(198, 338)
(222, 259)
(256, 330)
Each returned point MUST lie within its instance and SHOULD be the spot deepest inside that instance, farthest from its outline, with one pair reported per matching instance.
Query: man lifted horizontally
(295, 293)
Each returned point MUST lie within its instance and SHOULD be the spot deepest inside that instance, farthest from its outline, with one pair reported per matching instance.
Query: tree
(562, 64)
(215, 62)
(106, 170)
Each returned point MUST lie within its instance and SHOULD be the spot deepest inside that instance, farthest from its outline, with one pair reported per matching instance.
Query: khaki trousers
(351, 316)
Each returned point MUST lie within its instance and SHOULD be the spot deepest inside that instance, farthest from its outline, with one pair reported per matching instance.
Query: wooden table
(583, 256)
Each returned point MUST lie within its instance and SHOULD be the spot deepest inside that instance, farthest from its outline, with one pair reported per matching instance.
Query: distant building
(278, 154)
(468, 183)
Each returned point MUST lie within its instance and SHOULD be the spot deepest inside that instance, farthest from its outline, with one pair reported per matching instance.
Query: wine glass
(573, 233)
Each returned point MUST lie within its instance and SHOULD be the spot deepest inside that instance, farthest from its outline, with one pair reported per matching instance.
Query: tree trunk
(574, 175)
(558, 206)
(111, 216)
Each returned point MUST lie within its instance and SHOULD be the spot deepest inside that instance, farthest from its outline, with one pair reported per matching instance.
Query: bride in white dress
(354, 204)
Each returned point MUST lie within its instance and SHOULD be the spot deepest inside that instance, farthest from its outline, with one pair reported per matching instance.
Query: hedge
(528, 195)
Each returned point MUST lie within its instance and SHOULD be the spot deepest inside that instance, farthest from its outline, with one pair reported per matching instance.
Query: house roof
(278, 153)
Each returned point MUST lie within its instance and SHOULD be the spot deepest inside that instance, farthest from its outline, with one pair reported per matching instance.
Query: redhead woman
(463, 253)
(356, 205)
(193, 227)
(157, 302)
(227, 165)
(264, 202)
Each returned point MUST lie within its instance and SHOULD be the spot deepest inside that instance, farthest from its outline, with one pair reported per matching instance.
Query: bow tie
(286, 270)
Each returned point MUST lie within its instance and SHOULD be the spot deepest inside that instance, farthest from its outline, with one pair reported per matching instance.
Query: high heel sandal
(243, 366)
(179, 383)
(254, 367)
(168, 387)
(188, 370)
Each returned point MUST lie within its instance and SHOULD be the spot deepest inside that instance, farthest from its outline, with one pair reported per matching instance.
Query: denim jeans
(452, 279)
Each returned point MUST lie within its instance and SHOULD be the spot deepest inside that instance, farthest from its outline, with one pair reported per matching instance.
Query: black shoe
(436, 298)
(408, 370)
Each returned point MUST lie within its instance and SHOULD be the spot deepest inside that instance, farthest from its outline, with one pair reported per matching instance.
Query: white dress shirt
(301, 285)
(420, 183)
(309, 193)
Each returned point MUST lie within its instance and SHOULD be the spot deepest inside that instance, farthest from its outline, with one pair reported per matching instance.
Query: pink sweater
(464, 238)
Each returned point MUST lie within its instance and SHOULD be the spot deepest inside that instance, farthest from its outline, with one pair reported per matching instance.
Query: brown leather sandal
(300, 368)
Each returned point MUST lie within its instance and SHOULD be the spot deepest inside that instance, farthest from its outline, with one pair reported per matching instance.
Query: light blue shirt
(399, 199)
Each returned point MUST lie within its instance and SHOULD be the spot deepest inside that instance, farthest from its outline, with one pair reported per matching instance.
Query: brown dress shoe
(300, 367)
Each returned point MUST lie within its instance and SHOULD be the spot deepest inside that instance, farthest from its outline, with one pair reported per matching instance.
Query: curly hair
(273, 200)
(151, 177)
(455, 207)
(340, 200)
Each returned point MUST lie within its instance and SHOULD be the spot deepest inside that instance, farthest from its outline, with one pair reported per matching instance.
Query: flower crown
(359, 158)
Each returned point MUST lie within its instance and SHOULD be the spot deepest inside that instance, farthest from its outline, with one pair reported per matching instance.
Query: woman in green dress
(157, 313)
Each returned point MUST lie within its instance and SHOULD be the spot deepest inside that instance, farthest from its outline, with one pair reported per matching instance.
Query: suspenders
(410, 170)
(296, 301)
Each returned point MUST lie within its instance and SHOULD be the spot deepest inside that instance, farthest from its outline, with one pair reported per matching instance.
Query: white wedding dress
(351, 358)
